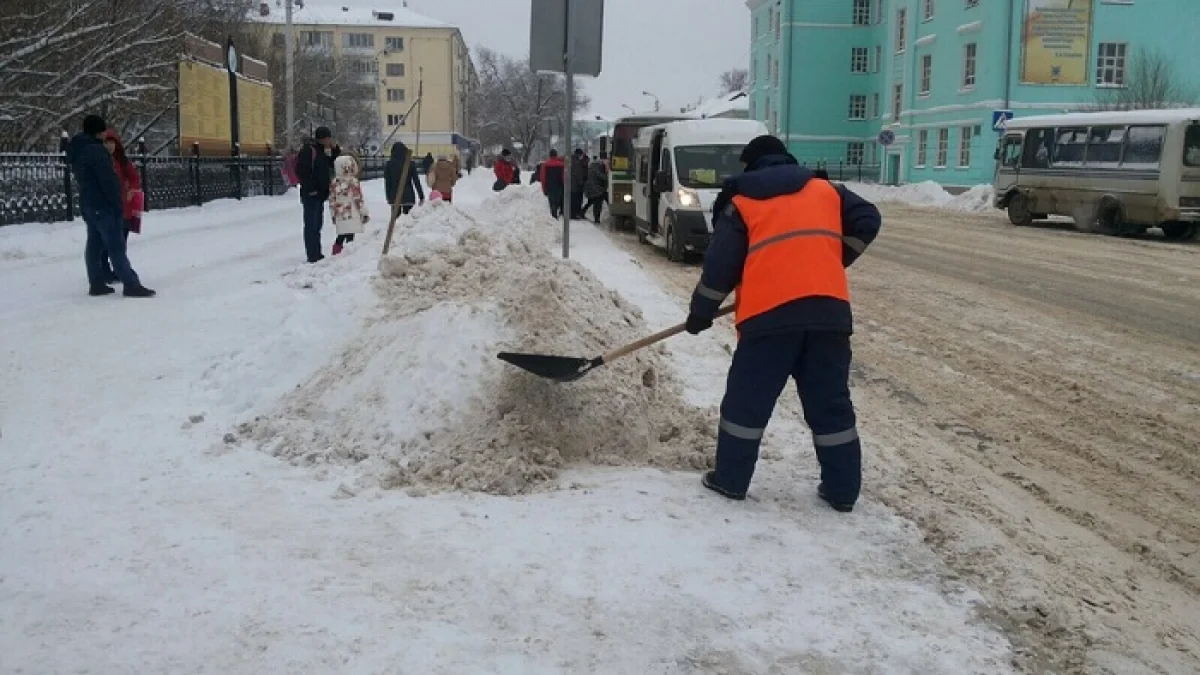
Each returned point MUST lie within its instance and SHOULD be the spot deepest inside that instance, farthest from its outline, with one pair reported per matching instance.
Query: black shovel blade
(558, 368)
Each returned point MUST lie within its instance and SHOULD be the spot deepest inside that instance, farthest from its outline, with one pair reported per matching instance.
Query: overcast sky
(676, 49)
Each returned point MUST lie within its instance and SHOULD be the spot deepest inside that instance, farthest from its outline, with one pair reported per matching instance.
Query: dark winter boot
(100, 290)
(710, 481)
(138, 291)
(840, 507)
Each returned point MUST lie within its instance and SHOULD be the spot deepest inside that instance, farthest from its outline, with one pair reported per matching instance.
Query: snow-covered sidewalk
(140, 530)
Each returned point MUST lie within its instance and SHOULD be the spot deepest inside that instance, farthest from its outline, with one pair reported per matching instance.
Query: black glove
(697, 324)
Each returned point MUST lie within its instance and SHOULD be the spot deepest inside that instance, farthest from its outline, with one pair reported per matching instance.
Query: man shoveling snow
(782, 238)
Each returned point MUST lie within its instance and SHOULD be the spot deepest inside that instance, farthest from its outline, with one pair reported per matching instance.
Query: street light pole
(629, 108)
(289, 70)
(657, 104)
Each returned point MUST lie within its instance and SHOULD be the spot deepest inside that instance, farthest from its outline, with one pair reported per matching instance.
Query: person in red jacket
(505, 171)
(132, 198)
(553, 179)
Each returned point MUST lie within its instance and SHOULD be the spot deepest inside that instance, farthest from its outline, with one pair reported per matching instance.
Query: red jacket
(504, 171)
(131, 183)
(553, 169)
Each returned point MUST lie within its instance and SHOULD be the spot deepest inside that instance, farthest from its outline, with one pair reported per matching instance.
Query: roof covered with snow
(348, 13)
(1166, 116)
(723, 105)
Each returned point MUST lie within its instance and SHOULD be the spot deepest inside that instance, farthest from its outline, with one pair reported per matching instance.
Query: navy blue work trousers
(819, 362)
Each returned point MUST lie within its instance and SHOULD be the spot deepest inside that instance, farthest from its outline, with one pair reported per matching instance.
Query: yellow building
(397, 50)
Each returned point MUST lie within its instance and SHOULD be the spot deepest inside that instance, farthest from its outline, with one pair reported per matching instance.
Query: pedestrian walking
(552, 177)
(595, 188)
(783, 239)
(504, 168)
(102, 204)
(443, 178)
(346, 206)
(427, 163)
(578, 180)
(314, 168)
(413, 192)
(134, 199)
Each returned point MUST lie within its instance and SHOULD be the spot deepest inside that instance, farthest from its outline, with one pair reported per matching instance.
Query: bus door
(653, 191)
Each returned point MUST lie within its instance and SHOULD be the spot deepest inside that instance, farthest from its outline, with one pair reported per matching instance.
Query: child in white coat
(346, 202)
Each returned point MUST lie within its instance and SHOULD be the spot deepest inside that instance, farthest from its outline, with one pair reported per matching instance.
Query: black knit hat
(323, 133)
(761, 147)
(94, 124)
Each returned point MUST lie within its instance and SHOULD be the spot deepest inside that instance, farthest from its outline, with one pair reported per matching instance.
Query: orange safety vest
(795, 249)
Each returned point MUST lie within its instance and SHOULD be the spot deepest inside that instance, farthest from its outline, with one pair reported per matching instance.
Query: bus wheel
(675, 252)
(1018, 210)
(1112, 221)
(1180, 231)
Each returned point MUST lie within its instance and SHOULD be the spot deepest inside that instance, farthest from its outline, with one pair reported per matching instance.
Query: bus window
(1104, 147)
(1038, 143)
(1069, 146)
(1143, 147)
(1010, 152)
(1191, 146)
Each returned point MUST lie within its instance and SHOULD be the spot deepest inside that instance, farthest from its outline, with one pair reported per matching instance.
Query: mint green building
(837, 78)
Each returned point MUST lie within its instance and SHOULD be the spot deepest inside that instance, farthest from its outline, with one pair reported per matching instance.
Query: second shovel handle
(657, 337)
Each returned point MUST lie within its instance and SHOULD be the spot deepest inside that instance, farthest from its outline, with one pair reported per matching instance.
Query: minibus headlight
(627, 198)
(688, 197)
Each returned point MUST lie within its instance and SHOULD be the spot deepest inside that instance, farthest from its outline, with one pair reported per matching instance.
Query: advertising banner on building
(203, 108)
(205, 111)
(1055, 38)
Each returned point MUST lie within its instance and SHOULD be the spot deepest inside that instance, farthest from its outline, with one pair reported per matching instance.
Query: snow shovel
(569, 369)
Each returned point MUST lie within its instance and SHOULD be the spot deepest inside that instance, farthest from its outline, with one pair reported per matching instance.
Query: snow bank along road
(1034, 398)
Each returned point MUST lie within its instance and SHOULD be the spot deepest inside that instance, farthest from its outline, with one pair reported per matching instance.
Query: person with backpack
(314, 168)
(595, 188)
(553, 183)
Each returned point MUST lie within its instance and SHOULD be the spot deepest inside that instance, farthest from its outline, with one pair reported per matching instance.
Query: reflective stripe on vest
(795, 249)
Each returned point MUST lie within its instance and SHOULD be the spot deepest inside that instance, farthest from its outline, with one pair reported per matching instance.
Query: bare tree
(734, 80)
(1151, 81)
(61, 59)
(514, 106)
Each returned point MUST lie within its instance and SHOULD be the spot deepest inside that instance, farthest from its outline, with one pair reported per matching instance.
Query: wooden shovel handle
(657, 337)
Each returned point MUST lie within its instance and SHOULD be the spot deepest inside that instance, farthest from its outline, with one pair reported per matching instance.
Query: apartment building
(397, 51)
(829, 76)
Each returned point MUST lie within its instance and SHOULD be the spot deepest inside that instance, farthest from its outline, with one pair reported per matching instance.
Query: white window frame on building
(901, 30)
(768, 69)
(878, 62)
(358, 40)
(395, 70)
(362, 66)
(775, 73)
(862, 12)
(922, 148)
(926, 75)
(393, 44)
(875, 112)
(753, 69)
(943, 148)
(897, 101)
(927, 7)
(1111, 61)
(970, 64)
(395, 95)
(858, 107)
(778, 23)
(971, 4)
(856, 151)
(395, 120)
(860, 60)
(964, 146)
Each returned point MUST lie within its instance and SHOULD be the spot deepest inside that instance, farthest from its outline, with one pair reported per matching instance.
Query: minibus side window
(1038, 143)
(1104, 147)
(1143, 147)
(1069, 146)
(1191, 146)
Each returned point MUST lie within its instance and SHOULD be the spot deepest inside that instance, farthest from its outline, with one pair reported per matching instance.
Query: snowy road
(1034, 398)
(134, 538)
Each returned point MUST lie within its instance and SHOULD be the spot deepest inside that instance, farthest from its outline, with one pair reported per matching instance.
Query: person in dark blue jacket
(103, 209)
(782, 239)
(413, 192)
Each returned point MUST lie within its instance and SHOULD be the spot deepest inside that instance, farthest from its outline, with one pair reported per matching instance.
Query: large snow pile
(977, 199)
(419, 399)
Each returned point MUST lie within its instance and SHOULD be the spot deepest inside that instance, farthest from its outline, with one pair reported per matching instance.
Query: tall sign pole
(568, 114)
(289, 72)
(566, 37)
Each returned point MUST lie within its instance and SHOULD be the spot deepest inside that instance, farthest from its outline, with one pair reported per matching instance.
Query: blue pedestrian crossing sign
(1000, 120)
(887, 137)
